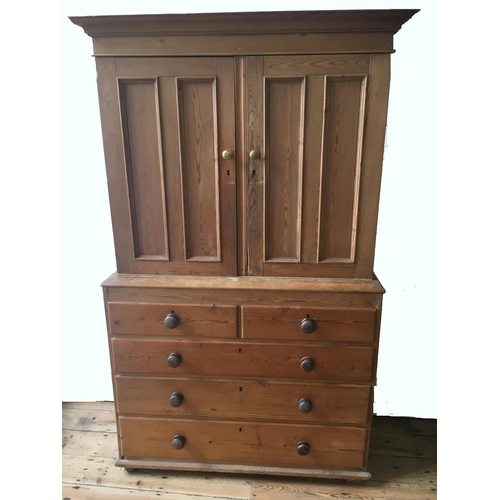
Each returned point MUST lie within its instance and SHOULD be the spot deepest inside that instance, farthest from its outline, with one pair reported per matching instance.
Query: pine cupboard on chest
(244, 156)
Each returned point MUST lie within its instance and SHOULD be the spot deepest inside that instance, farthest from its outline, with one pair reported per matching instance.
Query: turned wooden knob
(305, 405)
(178, 442)
(171, 321)
(307, 364)
(174, 360)
(303, 448)
(176, 399)
(307, 325)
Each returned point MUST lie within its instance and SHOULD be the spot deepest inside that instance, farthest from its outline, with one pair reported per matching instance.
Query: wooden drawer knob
(307, 364)
(171, 321)
(303, 448)
(307, 325)
(178, 442)
(305, 405)
(174, 360)
(176, 399)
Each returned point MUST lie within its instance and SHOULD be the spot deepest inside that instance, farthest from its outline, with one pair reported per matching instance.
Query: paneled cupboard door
(315, 128)
(169, 139)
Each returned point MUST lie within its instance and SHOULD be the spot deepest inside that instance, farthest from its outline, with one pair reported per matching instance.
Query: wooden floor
(402, 463)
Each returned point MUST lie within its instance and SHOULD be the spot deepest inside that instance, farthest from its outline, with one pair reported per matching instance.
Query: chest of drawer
(311, 361)
(243, 442)
(200, 320)
(177, 397)
(308, 323)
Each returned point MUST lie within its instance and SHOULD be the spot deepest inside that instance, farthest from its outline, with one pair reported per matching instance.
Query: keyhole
(239, 350)
(253, 172)
(241, 389)
(228, 173)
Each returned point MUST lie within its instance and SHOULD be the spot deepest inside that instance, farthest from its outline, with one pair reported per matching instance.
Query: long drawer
(244, 359)
(243, 442)
(308, 323)
(243, 399)
(199, 320)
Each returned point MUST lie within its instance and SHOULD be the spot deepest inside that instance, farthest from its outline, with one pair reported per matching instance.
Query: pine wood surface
(402, 462)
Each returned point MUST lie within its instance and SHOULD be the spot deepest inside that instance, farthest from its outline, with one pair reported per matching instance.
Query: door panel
(177, 214)
(320, 148)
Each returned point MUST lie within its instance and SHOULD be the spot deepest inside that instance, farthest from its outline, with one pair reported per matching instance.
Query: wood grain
(243, 442)
(201, 320)
(377, 95)
(256, 297)
(244, 359)
(299, 285)
(112, 134)
(142, 138)
(228, 45)
(255, 140)
(340, 167)
(243, 400)
(389, 21)
(285, 489)
(101, 472)
(332, 325)
(283, 167)
(392, 476)
(200, 167)
(316, 65)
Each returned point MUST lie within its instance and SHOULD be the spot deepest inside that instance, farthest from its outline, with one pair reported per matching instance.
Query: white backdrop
(405, 260)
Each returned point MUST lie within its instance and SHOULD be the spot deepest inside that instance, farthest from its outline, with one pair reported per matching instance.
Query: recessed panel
(141, 133)
(284, 124)
(199, 164)
(344, 109)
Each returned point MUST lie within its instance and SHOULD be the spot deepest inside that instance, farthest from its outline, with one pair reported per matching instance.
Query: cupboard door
(166, 123)
(316, 128)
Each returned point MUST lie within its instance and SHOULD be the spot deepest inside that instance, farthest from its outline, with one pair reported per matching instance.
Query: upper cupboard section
(282, 180)
(166, 122)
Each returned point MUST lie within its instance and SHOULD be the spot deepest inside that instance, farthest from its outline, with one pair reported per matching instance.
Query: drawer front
(184, 320)
(248, 399)
(244, 359)
(243, 442)
(296, 323)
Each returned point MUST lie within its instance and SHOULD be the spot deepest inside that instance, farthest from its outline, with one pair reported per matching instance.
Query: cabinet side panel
(198, 134)
(371, 164)
(344, 98)
(109, 105)
(141, 131)
(284, 123)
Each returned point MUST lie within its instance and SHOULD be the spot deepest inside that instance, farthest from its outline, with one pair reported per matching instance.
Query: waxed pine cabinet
(244, 154)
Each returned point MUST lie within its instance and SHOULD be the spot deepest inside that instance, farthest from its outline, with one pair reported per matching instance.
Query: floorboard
(402, 462)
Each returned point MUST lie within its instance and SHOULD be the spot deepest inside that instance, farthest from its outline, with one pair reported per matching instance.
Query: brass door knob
(171, 321)
(227, 154)
(174, 360)
(307, 364)
(254, 154)
(176, 399)
(307, 325)
(305, 405)
(178, 442)
(303, 448)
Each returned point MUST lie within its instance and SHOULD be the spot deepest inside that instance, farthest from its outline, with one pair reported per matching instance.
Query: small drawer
(176, 397)
(311, 361)
(172, 319)
(308, 323)
(243, 442)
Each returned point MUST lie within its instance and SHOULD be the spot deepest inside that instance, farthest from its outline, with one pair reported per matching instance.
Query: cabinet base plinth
(352, 475)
